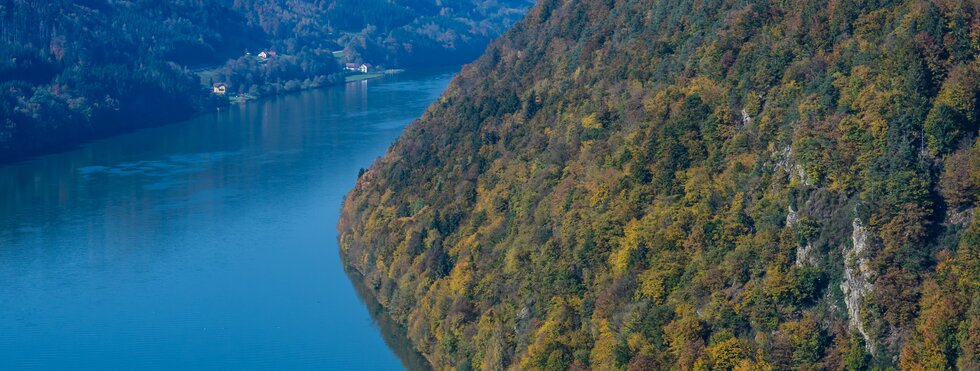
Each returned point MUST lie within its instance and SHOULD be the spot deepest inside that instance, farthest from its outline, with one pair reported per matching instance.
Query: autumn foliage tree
(695, 185)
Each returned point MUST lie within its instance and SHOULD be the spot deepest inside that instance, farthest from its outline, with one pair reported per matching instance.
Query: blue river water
(207, 244)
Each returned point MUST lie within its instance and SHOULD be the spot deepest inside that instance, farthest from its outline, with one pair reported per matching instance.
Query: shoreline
(395, 335)
(10, 159)
(245, 98)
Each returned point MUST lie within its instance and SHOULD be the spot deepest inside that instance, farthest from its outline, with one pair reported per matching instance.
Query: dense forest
(400, 33)
(71, 70)
(691, 184)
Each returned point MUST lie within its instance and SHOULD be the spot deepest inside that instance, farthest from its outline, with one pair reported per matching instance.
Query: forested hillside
(710, 184)
(401, 33)
(71, 70)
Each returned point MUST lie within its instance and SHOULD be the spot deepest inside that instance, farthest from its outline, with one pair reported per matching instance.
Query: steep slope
(694, 184)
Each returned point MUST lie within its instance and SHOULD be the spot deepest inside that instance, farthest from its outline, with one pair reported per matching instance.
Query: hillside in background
(71, 70)
(639, 184)
(398, 33)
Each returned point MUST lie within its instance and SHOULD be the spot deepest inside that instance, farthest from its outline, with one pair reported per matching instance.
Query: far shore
(245, 97)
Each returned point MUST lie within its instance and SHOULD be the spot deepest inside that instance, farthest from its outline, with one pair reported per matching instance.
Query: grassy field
(368, 76)
(360, 77)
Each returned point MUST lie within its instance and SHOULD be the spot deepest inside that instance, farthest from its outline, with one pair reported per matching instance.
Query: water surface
(209, 244)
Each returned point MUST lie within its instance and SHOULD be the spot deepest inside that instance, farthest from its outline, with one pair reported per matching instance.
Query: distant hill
(71, 70)
(400, 33)
(691, 185)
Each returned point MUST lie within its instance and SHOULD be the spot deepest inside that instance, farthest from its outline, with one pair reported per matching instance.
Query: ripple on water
(170, 166)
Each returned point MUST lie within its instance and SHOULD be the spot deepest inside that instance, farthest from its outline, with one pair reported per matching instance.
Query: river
(207, 244)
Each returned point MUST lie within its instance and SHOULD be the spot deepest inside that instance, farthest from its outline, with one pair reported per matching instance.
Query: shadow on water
(394, 334)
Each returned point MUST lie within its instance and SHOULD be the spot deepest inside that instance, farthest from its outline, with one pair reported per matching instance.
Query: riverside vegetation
(73, 70)
(719, 184)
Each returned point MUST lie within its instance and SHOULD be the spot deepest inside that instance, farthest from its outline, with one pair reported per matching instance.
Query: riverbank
(245, 98)
(58, 145)
(394, 333)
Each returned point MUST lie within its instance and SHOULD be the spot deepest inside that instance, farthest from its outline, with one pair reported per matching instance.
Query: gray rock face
(746, 119)
(804, 252)
(857, 280)
(786, 161)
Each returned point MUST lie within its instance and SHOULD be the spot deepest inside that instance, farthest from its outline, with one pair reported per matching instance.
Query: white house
(354, 67)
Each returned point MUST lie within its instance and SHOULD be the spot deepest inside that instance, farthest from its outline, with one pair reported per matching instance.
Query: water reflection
(395, 335)
(209, 243)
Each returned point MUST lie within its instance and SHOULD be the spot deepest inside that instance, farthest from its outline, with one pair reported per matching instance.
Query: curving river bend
(208, 244)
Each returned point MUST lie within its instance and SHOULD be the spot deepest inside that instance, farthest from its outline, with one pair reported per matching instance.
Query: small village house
(219, 88)
(354, 67)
